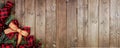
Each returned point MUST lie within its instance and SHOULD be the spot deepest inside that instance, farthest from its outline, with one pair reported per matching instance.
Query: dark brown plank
(61, 24)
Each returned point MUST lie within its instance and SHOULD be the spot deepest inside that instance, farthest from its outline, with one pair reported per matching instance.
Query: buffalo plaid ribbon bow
(14, 28)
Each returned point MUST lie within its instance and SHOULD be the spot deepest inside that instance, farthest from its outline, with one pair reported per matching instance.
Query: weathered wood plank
(92, 34)
(29, 18)
(104, 23)
(19, 11)
(82, 22)
(71, 23)
(115, 23)
(50, 24)
(40, 19)
(61, 41)
(118, 14)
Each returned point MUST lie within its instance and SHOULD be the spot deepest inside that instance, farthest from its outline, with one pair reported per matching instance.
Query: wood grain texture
(61, 41)
(40, 19)
(71, 23)
(114, 23)
(51, 24)
(92, 34)
(20, 11)
(82, 22)
(29, 18)
(104, 23)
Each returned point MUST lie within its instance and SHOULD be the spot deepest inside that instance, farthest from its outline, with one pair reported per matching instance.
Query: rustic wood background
(72, 23)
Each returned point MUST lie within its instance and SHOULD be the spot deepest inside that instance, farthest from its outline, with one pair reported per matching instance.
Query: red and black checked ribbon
(5, 12)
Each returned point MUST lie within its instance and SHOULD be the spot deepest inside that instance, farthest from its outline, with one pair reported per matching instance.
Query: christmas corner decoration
(13, 35)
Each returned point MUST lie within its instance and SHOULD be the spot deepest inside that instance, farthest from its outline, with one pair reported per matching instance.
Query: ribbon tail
(19, 39)
(24, 33)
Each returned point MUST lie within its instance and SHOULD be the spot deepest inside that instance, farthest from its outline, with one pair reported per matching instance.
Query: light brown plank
(115, 24)
(19, 11)
(92, 34)
(104, 23)
(61, 41)
(29, 18)
(118, 14)
(82, 22)
(71, 23)
(40, 19)
(50, 24)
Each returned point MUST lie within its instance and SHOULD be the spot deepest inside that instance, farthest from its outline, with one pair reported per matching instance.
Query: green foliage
(42, 45)
(11, 41)
(23, 41)
(38, 41)
(3, 38)
(9, 19)
(1, 4)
